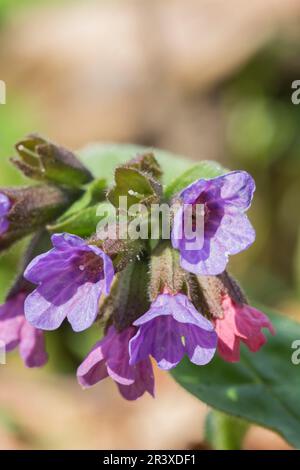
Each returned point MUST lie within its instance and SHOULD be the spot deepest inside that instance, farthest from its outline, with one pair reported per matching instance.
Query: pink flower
(15, 331)
(240, 323)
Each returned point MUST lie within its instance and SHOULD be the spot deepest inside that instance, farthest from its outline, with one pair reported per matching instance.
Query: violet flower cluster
(74, 279)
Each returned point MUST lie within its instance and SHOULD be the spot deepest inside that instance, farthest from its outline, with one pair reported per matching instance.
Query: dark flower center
(213, 212)
(91, 266)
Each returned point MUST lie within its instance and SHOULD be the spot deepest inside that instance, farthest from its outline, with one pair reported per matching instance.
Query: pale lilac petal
(237, 189)
(83, 307)
(227, 230)
(65, 241)
(71, 279)
(32, 346)
(179, 306)
(211, 266)
(235, 234)
(200, 345)
(43, 314)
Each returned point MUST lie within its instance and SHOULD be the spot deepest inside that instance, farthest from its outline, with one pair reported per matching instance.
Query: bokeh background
(208, 79)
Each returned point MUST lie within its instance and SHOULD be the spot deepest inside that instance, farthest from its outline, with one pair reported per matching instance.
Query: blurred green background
(206, 80)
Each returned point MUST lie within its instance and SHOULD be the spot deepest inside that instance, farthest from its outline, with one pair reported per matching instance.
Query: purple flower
(16, 331)
(5, 205)
(110, 357)
(227, 230)
(171, 328)
(71, 278)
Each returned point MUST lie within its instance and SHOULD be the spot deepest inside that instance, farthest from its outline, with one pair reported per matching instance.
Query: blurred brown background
(208, 79)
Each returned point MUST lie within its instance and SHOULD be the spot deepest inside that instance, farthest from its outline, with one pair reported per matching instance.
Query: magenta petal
(32, 346)
(144, 382)
(111, 357)
(240, 323)
(93, 368)
(11, 320)
(117, 356)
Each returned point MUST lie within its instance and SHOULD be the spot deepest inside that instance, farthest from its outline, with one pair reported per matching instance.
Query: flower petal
(161, 339)
(237, 189)
(179, 306)
(82, 309)
(11, 321)
(144, 382)
(200, 345)
(32, 346)
(93, 368)
(43, 314)
(66, 241)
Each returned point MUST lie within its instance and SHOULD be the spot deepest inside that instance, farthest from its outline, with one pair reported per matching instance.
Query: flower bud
(136, 186)
(166, 273)
(44, 161)
(146, 163)
(207, 292)
(26, 209)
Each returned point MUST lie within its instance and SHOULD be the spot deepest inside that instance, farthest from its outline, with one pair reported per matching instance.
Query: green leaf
(94, 193)
(81, 218)
(133, 185)
(262, 388)
(204, 169)
(84, 222)
(102, 159)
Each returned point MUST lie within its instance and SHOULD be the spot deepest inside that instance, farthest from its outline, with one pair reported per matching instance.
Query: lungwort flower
(226, 229)
(171, 328)
(71, 278)
(110, 358)
(240, 323)
(15, 331)
(4, 209)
